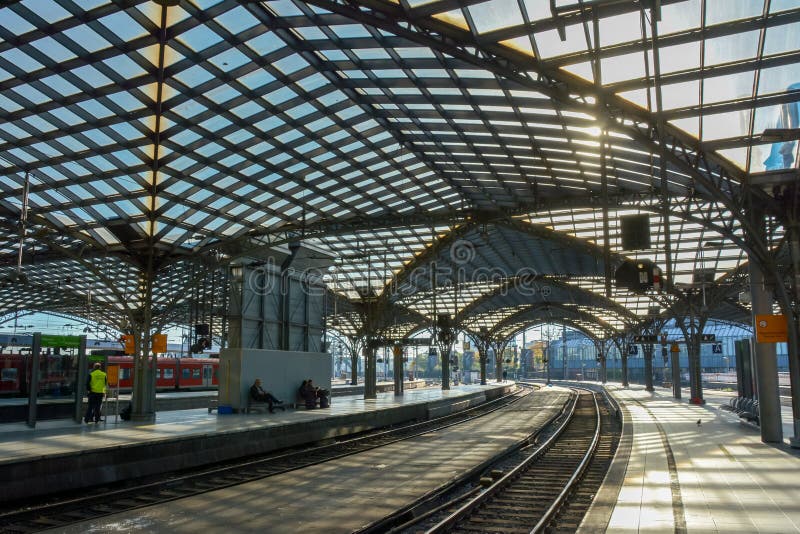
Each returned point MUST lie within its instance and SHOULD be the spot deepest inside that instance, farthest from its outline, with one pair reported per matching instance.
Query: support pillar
(676, 374)
(695, 377)
(483, 353)
(547, 361)
(143, 396)
(353, 349)
(499, 348)
(397, 352)
(793, 312)
(603, 368)
(445, 356)
(624, 366)
(766, 363)
(647, 348)
(370, 371)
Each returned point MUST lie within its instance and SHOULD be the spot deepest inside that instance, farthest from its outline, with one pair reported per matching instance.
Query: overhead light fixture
(780, 135)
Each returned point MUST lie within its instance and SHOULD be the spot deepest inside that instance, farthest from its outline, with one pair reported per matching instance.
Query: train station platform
(62, 455)
(695, 469)
(15, 409)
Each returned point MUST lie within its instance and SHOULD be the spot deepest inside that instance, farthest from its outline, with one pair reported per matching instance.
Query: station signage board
(771, 329)
(69, 342)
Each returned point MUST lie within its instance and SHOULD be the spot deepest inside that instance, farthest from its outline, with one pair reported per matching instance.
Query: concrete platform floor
(58, 437)
(715, 477)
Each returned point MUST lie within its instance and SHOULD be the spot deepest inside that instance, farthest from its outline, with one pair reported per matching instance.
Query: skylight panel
(730, 87)
(237, 20)
(350, 31)
(551, 45)
(731, 47)
(680, 57)
(15, 24)
(198, 38)
(779, 79)
(315, 81)
(290, 64)
(284, 8)
(680, 95)
(92, 76)
(495, 15)
(21, 60)
(123, 26)
(280, 96)
(679, 16)
(620, 68)
(620, 29)
(776, 6)
(266, 43)
(51, 12)
(229, 60)
(718, 11)
(39, 123)
(125, 67)
(33, 95)
(725, 125)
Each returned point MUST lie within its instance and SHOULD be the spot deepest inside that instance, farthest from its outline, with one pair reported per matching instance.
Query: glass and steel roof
(137, 137)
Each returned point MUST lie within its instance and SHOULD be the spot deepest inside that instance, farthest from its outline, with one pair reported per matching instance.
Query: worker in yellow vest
(96, 389)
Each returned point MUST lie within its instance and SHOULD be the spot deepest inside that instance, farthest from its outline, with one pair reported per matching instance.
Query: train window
(196, 373)
(124, 373)
(8, 375)
(186, 374)
(169, 373)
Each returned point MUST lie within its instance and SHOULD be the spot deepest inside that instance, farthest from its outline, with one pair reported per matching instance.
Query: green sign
(69, 342)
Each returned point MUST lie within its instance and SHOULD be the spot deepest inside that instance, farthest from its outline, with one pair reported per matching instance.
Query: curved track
(550, 488)
(63, 512)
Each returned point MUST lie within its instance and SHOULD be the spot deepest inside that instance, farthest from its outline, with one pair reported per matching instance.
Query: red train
(57, 373)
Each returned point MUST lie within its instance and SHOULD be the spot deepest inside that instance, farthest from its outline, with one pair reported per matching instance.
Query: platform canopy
(471, 157)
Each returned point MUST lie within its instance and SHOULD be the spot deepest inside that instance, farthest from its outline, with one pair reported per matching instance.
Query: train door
(208, 374)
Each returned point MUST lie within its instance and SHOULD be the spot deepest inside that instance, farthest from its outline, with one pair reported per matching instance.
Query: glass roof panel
(320, 121)
(731, 48)
(495, 15)
(619, 68)
(718, 11)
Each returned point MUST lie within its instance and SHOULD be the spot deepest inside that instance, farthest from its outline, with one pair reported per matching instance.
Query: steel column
(769, 405)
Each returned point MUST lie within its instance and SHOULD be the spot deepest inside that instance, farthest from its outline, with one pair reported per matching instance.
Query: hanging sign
(159, 343)
(112, 375)
(771, 329)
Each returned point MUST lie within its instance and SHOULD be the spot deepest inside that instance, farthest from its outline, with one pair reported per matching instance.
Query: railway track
(549, 487)
(105, 501)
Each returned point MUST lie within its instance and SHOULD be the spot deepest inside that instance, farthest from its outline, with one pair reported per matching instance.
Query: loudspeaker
(635, 230)
(202, 329)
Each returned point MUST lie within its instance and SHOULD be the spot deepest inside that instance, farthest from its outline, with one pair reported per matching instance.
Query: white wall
(281, 373)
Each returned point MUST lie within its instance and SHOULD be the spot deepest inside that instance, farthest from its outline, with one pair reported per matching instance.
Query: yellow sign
(112, 375)
(159, 343)
(128, 344)
(674, 348)
(771, 329)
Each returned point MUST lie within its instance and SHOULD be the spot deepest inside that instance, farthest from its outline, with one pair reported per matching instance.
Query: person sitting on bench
(259, 395)
(309, 394)
(312, 394)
